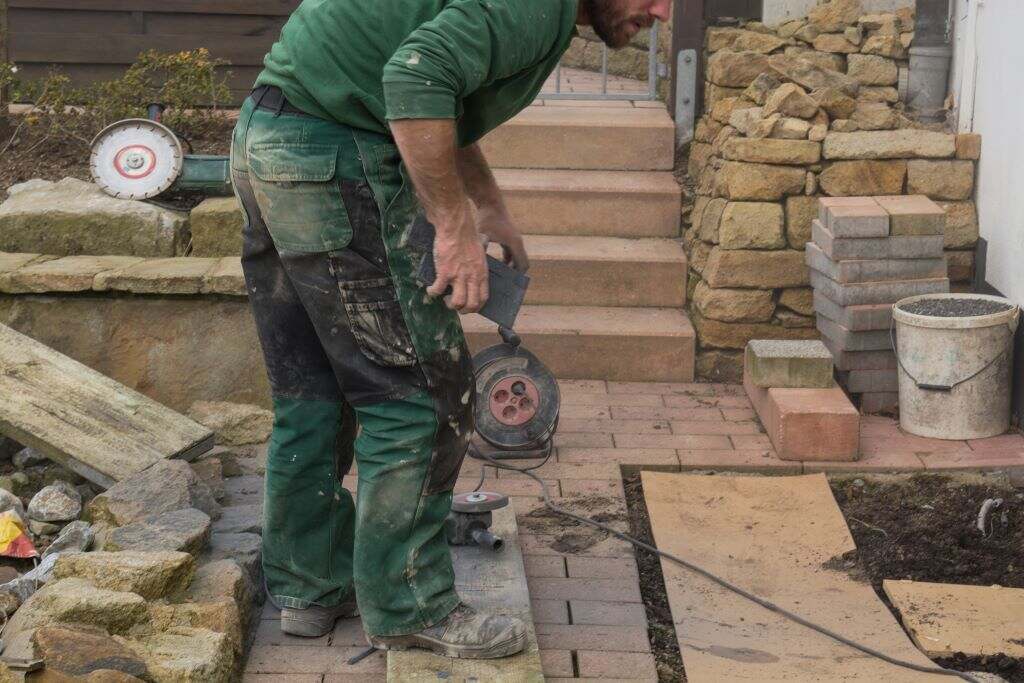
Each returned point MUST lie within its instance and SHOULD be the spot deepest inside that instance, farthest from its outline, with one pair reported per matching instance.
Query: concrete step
(584, 137)
(589, 342)
(600, 203)
(605, 271)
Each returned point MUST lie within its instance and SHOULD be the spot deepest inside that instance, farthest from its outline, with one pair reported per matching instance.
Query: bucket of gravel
(955, 354)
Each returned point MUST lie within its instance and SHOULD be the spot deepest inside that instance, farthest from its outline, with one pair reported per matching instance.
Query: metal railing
(654, 72)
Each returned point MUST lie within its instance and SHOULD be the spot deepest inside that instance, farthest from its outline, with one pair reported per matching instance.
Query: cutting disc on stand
(135, 159)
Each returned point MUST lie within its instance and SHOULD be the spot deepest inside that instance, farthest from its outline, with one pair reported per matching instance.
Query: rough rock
(211, 470)
(884, 46)
(835, 42)
(240, 519)
(77, 536)
(185, 530)
(743, 119)
(758, 182)
(80, 651)
(29, 457)
(879, 93)
(236, 424)
(168, 485)
(752, 225)
(9, 501)
(764, 127)
(835, 102)
(798, 299)
(217, 227)
(43, 528)
(226, 580)
(66, 274)
(728, 38)
(710, 220)
(874, 116)
(150, 574)
(854, 34)
(790, 99)
(800, 213)
(886, 23)
(789, 319)
(245, 549)
(863, 178)
(811, 76)
(896, 144)
(714, 94)
(706, 130)
(759, 88)
(950, 180)
(772, 151)
(968, 146)
(734, 305)
(719, 335)
(961, 224)
(792, 129)
(74, 217)
(835, 15)
(58, 502)
(872, 70)
(844, 126)
(817, 132)
(760, 269)
(960, 265)
(76, 601)
(830, 61)
(735, 69)
(187, 655)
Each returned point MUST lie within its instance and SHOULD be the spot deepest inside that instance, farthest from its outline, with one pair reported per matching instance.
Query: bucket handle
(944, 388)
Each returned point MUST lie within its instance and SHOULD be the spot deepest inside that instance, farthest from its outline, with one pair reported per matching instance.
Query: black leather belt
(271, 98)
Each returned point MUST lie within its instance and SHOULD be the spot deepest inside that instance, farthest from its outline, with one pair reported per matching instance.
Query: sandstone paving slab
(67, 274)
(495, 582)
(83, 420)
(947, 618)
(13, 261)
(159, 276)
(769, 535)
(225, 278)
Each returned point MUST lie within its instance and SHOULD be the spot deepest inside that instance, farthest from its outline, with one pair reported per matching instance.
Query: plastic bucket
(954, 372)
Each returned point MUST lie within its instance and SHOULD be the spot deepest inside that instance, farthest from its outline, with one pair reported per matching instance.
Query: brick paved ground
(587, 608)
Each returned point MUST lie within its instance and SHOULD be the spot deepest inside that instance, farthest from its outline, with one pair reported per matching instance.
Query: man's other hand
(498, 227)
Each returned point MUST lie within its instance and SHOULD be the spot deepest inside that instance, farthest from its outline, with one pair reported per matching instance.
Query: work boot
(315, 621)
(464, 633)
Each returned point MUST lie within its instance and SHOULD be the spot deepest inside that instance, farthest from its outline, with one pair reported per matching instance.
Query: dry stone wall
(805, 110)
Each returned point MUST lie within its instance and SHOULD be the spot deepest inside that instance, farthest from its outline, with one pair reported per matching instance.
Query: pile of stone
(794, 113)
(868, 253)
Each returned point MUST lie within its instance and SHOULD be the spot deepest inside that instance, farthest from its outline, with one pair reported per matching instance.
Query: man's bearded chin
(609, 27)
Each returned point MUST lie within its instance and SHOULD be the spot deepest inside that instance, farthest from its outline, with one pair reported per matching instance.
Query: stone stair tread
(611, 249)
(642, 182)
(589, 116)
(592, 320)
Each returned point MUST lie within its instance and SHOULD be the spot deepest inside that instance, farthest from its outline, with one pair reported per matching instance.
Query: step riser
(605, 214)
(610, 357)
(613, 148)
(604, 283)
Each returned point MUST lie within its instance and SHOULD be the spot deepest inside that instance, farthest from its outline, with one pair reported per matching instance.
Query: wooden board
(770, 536)
(947, 618)
(495, 582)
(87, 422)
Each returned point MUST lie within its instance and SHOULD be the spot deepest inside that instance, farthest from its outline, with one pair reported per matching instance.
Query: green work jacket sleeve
(469, 44)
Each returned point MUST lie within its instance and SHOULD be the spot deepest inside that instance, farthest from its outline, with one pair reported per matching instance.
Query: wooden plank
(265, 7)
(24, 21)
(490, 581)
(944, 619)
(165, 23)
(88, 48)
(87, 422)
(771, 536)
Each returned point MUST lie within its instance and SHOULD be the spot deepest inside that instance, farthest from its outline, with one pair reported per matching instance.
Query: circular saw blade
(135, 159)
(478, 501)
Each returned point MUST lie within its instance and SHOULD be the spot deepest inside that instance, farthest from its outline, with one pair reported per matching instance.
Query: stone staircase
(591, 185)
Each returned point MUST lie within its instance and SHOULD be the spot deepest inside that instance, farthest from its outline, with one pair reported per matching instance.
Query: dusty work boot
(315, 621)
(464, 633)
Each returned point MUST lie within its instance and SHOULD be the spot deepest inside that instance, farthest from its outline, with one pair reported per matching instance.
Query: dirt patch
(661, 629)
(923, 528)
(569, 536)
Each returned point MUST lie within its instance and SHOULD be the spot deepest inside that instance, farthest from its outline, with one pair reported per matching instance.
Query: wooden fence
(93, 40)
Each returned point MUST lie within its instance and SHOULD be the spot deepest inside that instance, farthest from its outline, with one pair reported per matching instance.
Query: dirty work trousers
(353, 345)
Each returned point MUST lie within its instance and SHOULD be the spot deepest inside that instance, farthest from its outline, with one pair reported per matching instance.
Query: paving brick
(782, 363)
(913, 215)
(269, 633)
(874, 270)
(763, 460)
(599, 613)
(609, 590)
(687, 441)
(908, 443)
(544, 566)
(582, 440)
(281, 678)
(825, 204)
(750, 442)
(870, 381)
(879, 402)
(663, 388)
(546, 544)
(890, 461)
(848, 340)
(975, 460)
(582, 386)
(568, 470)
(605, 664)
(612, 400)
(570, 411)
(709, 427)
(591, 568)
(858, 222)
(1006, 442)
(738, 414)
(597, 638)
(308, 659)
(590, 487)
(348, 633)
(612, 426)
(898, 247)
(853, 294)
(556, 663)
(550, 611)
(854, 318)
(632, 456)
(671, 413)
(860, 360)
(706, 402)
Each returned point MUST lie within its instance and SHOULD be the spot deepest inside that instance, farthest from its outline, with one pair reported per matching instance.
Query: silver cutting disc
(135, 159)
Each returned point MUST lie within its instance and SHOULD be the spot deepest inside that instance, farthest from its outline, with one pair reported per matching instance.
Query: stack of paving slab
(868, 253)
(793, 390)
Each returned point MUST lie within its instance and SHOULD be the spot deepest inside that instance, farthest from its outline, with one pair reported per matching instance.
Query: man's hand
(460, 262)
(498, 227)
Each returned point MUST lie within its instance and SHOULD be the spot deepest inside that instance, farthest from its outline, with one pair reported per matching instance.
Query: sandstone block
(80, 651)
(854, 217)
(158, 276)
(798, 299)
(752, 225)
(870, 381)
(860, 318)
(835, 42)
(968, 146)
(772, 151)
(897, 247)
(739, 40)
(874, 270)
(872, 70)
(874, 116)
(848, 340)
(896, 144)
(879, 402)
(884, 46)
(734, 305)
(163, 487)
(863, 178)
(226, 278)
(835, 102)
(236, 424)
(792, 129)
(879, 93)
(744, 119)
(72, 217)
(830, 61)
(756, 269)
(790, 99)
(835, 15)
(68, 274)
(760, 87)
(735, 69)
(741, 181)
(713, 94)
(913, 215)
(961, 224)
(811, 76)
(76, 601)
(792, 364)
(960, 266)
(711, 219)
(217, 227)
(185, 531)
(149, 574)
(187, 655)
(941, 179)
(714, 334)
(855, 293)
(800, 211)
(860, 360)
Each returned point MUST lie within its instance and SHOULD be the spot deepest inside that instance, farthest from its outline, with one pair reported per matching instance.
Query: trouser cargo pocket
(375, 318)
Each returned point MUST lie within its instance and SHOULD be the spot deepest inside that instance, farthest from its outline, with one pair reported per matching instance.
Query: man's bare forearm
(479, 181)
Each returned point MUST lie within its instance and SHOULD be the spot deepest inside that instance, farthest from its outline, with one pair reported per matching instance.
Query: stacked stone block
(868, 253)
(805, 110)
